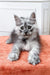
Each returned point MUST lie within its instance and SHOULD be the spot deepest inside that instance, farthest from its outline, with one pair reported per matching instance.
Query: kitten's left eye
(29, 27)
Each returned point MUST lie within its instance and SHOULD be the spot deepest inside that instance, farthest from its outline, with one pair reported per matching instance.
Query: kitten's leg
(14, 55)
(33, 57)
(12, 38)
(9, 41)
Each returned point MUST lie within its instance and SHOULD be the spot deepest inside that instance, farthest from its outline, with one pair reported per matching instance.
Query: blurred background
(24, 8)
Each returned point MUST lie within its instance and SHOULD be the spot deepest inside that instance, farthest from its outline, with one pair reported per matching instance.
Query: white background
(8, 9)
(25, 0)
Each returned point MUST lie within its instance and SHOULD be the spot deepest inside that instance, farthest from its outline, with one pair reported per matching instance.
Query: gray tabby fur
(25, 36)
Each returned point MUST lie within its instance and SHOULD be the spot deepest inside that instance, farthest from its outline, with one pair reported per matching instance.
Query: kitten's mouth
(27, 35)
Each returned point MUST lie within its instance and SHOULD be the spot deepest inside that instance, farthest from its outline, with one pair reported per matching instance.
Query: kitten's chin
(27, 36)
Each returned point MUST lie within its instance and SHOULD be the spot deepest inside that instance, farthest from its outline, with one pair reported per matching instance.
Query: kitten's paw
(8, 41)
(34, 60)
(13, 57)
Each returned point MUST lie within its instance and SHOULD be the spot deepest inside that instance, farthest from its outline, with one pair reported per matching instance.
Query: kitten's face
(25, 26)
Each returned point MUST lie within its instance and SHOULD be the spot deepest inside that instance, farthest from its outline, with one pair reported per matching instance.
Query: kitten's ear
(33, 18)
(33, 15)
(17, 19)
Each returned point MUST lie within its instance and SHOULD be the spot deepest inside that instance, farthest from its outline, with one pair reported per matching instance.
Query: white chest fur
(27, 46)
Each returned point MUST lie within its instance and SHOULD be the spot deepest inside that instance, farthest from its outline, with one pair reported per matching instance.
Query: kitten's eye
(22, 27)
(29, 27)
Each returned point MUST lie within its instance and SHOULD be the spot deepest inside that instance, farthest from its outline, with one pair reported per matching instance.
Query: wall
(8, 9)
(26, 0)
(46, 18)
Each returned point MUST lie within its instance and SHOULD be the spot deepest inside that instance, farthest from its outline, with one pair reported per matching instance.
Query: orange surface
(21, 66)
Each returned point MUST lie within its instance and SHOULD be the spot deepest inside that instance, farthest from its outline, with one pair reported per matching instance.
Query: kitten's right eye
(29, 27)
(22, 27)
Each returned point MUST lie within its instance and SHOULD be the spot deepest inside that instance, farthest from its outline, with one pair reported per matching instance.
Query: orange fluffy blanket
(21, 66)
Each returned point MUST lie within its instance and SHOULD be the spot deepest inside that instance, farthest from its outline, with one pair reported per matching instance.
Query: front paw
(13, 56)
(8, 41)
(34, 60)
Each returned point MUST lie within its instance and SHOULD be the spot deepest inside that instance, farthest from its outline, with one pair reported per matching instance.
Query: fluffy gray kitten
(25, 36)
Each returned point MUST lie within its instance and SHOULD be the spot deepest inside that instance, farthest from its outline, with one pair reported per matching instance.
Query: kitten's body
(29, 42)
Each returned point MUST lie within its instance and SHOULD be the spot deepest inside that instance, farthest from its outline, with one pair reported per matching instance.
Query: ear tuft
(33, 15)
(16, 17)
(17, 20)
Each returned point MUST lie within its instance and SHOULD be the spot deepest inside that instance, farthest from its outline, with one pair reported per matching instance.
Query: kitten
(25, 36)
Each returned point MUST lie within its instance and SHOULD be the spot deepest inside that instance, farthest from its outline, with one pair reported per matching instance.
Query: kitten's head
(25, 26)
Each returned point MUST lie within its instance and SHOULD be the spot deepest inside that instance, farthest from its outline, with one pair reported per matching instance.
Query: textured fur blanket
(21, 66)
